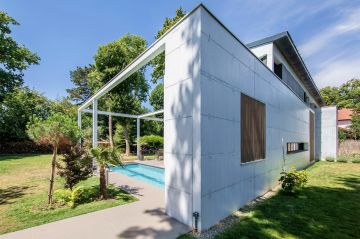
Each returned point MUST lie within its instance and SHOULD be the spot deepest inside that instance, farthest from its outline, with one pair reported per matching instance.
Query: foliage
(16, 110)
(156, 98)
(14, 58)
(105, 157)
(62, 196)
(82, 91)
(342, 159)
(152, 141)
(65, 107)
(82, 194)
(356, 160)
(342, 134)
(110, 59)
(158, 62)
(23, 147)
(57, 130)
(355, 124)
(119, 139)
(75, 165)
(293, 181)
(330, 159)
(345, 96)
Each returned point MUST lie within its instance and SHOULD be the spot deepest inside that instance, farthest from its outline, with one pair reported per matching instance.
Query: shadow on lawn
(13, 192)
(317, 212)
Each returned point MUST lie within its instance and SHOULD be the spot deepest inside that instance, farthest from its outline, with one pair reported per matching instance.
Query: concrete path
(145, 218)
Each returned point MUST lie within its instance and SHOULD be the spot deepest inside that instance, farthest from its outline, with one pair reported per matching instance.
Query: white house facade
(234, 116)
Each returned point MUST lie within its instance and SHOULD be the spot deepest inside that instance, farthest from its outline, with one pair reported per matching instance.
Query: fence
(349, 147)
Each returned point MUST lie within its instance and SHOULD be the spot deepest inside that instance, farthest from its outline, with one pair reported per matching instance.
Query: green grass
(24, 182)
(134, 157)
(328, 207)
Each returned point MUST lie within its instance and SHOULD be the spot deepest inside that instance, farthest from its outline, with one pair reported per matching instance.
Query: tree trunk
(127, 143)
(111, 132)
(102, 190)
(53, 163)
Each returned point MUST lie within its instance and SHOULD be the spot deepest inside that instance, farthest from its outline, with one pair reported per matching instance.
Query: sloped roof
(344, 114)
(286, 46)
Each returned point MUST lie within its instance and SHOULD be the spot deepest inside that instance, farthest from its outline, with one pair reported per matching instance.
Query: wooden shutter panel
(252, 129)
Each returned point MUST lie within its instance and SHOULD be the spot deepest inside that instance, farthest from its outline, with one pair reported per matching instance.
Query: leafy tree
(346, 96)
(16, 110)
(156, 98)
(105, 157)
(58, 130)
(64, 106)
(75, 165)
(110, 59)
(159, 62)
(82, 91)
(14, 58)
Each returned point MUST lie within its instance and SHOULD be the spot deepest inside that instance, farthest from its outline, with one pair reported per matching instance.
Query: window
(252, 129)
(296, 147)
(278, 69)
(264, 59)
(306, 98)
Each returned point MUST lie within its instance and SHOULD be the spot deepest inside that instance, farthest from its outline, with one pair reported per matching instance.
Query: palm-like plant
(105, 157)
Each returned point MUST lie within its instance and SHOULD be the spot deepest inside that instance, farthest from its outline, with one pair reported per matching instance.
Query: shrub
(152, 141)
(330, 159)
(293, 181)
(75, 165)
(342, 159)
(62, 196)
(83, 194)
(355, 160)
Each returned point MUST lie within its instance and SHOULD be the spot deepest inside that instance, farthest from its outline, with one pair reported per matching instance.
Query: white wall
(227, 70)
(329, 132)
(181, 120)
(267, 50)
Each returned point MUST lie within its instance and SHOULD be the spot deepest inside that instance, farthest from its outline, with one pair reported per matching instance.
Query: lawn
(24, 182)
(328, 207)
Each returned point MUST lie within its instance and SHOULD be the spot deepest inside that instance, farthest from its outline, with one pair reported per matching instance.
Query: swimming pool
(149, 174)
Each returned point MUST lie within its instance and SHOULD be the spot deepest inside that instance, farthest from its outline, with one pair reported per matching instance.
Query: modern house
(235, 115)
(344, 118)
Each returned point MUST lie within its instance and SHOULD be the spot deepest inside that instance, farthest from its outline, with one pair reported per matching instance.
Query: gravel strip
(233, 218)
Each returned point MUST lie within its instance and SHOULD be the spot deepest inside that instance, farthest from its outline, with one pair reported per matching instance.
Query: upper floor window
(278, 69)
(264, 59)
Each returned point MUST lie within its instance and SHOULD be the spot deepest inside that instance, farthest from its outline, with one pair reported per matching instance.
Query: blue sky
(67, 33)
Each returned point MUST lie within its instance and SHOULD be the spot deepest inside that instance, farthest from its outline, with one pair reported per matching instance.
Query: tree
(346, 96)
(75, 166)
(159, 62)
(14, 58)
(17, 108)
(58, 130)
(156, 98)
(105, 157)
(110, 59)
(82, 91)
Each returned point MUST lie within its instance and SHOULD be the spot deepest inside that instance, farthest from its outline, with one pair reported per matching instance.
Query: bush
(355, 160)
(293, 180)
(62, 196)
(152, 141)
(342, 159)
(330, 159)
(83, 194)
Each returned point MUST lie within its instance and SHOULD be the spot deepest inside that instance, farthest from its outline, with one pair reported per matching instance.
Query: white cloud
(338, 72)
(350, 23)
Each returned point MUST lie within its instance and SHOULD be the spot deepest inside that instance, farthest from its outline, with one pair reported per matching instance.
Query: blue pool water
(148, 174)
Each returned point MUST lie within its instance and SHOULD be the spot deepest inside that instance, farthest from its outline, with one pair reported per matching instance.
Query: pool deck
(151, 162)
(145, 218)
